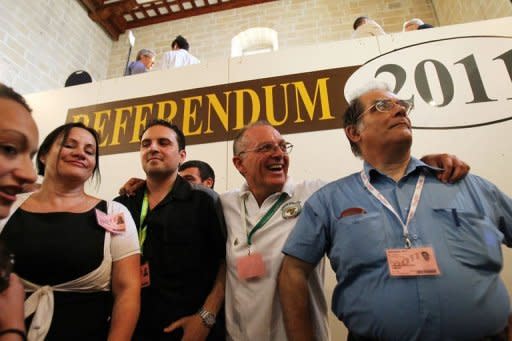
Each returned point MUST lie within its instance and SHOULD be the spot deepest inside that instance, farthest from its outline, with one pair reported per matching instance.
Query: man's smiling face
(265, 172)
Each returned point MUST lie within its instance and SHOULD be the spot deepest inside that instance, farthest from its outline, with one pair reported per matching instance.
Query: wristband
(20, 332)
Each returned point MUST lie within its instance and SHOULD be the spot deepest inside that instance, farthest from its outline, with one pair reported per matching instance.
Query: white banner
(446, 77)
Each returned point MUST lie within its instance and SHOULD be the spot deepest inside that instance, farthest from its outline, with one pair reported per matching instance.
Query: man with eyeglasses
(415, 259)
(144, 62)
(259, 218)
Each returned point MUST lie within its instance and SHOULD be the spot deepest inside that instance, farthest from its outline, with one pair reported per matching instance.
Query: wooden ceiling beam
(111, 16)
(180, 3)
(220, 6)
(143, 10)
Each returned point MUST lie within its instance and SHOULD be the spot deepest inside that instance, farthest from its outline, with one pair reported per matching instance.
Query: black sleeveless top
(56, 247)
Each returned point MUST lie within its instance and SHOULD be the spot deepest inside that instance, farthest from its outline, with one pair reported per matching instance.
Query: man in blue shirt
(144, 62)
(415, 259)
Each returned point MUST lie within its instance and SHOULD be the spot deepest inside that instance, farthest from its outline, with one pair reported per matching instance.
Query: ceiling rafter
(114, 15)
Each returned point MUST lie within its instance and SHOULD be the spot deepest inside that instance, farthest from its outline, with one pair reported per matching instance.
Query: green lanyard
(143, 214)
(265, 218)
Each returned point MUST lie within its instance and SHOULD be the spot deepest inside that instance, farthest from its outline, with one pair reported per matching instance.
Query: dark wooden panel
(110, 16)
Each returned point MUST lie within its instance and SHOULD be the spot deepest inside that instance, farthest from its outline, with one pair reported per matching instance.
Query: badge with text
(144, 275)
(113, 223)
(291, 210)
(250, 267)
(420, 261)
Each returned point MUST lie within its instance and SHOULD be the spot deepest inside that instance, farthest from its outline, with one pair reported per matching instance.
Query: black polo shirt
(185, 243)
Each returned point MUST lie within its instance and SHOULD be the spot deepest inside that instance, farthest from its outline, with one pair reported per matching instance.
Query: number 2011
(445, 79)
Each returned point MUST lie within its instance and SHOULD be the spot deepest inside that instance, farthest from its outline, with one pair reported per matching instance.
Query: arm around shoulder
(453, 169)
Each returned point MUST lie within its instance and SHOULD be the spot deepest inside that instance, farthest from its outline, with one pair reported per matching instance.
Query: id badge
(112, 223)
(419, 261)
(250, 267)
(144, 275)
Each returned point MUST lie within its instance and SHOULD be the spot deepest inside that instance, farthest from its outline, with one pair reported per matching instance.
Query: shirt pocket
(472, 239)
(359, 241)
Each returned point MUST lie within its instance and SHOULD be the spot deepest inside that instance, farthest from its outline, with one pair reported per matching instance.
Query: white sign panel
(447, 77)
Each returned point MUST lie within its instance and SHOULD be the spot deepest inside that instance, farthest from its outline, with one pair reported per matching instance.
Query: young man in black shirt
(182, 236)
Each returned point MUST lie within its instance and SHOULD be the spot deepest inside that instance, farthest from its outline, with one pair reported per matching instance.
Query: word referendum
(294, 103)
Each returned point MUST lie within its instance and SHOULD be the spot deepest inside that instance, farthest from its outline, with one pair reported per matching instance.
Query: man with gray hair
(259, 217)
(412, 25)
(143, 63)
(415, 259)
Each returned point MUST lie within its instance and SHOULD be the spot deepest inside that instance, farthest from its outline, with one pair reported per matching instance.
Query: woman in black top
(65, 255)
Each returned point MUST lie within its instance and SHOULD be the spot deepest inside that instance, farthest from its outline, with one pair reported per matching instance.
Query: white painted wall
(324, 154)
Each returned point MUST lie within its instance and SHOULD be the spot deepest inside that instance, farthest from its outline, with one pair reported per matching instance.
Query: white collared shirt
(253, 309)
(177, 58)
(370, 29)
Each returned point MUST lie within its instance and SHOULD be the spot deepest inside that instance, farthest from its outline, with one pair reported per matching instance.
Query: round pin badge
(291, 210)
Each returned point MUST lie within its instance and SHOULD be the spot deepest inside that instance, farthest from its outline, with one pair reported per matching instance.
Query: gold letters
(211, 114)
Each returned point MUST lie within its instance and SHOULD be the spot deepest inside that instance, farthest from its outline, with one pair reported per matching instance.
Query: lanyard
(263, 220)
(412, 209)
(143, 213)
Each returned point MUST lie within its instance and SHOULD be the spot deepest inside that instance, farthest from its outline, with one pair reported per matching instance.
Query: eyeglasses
(385, 105)
(285, 147)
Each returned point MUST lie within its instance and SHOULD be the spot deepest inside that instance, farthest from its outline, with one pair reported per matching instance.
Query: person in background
(71, 260)
(198, 172)
(179, 55)
(412, 25)
(18, 144)
(425, 26)
(366, 27)
(143, 63)
(415, 259)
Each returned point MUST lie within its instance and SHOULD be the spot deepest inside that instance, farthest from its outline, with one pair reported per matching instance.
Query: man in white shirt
(253, 310)
(179, 55)
(366, 27)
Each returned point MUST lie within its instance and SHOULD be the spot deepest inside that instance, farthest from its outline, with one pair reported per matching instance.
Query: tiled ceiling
(117, 16)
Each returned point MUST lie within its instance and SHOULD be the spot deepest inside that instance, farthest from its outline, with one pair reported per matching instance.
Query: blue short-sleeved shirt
(465, 223)
(136, 67)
